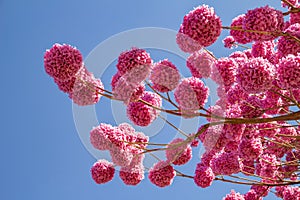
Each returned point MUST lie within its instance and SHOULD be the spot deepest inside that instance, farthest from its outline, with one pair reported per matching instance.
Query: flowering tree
(251, 135)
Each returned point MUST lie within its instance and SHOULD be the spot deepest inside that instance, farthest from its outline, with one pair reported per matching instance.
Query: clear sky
(42, 155)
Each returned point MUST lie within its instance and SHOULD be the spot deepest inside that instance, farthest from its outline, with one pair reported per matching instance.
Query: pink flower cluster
(162, 174)
(164, 76)
(200, 64)
(134, 66)
(253, 86)
(202, 25)
(125, 146)
(64, 63)
(178, 152)
(140, 113)
(102, 171)
(191, 94)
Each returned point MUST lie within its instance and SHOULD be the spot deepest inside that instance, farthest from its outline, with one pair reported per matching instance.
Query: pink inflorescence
(234, 196)
(102, 171)
(191, 94)
(229, 42)
(252, 107)
(295, 17)
(141, 114)
(204, 176)
(202, 25)
(124, 90)
(99, 136)
(87, 89)
(135, 65)
(62, 62)
(263, 23)
(164, 76)
(224, 72)
(256, 75)
(252, 195)
(134, 173)
(292, 2)
(237, 30)
(288, 45)
(226, 164)
(161, 174)
(263, 49)
(250, 149)
(288, 71)
(200, 64)
(178, 152)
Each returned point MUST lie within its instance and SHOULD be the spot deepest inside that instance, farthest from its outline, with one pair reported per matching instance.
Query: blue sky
(42, 154)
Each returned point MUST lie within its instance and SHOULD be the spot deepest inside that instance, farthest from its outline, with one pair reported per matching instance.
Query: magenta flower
(62, 62)
(202, 25)
(288, 71)
(191, 94)
(141, 114)
(178, 152)
(87, 89)
(224, 72)
(102, 171)
(200, 64)
(226, 164)
(161, 174)
(164, 76)
(256, 75)
(229, 42)
(237, 31)
(234, 196)
(124, 90)
(204, 176)
(134, 65)
(287, 45)
(264, 23)
(133, 175)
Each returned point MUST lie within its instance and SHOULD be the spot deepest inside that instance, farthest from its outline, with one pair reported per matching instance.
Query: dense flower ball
(204, 176)
(99, 136)
(295, 17)
(161, 174)
(164, 76)
(202, 25)
(229, 42)
(134, 65)
(234, 196)
(264, 22)
(87, 89)
(186, 43)
(102, 171)
(251, 107)
(132, 175)
(224, 72)
(141, 114)
(251, 195)
(178, 152)
(200, 64)
(256, 75)
(288, 71)
(286, 44)
(62, 62)
(292, 2)
(226, 164)
(250, 149)
(191, 94)
(263, 49)
(124, 90)
(236, 94)
(237, 30)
